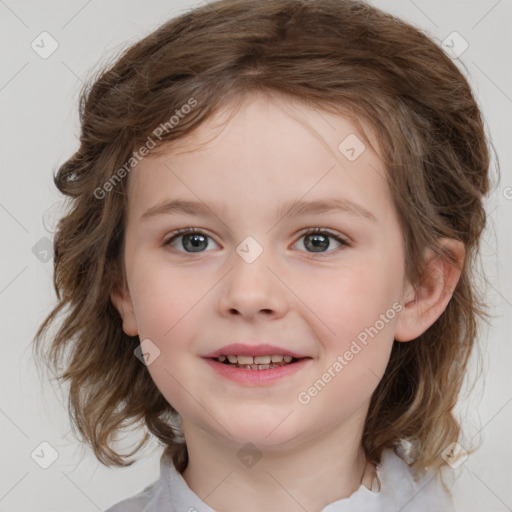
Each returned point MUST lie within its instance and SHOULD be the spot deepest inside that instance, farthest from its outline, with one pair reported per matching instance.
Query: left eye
(318, 240)
(315, 240)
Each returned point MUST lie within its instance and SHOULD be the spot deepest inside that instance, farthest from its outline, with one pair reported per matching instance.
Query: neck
(333, 464)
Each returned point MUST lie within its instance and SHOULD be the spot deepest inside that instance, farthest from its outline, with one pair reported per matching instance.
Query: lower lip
(244, 376)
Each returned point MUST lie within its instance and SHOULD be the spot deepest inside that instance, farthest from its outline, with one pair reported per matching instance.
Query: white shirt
(399, 492)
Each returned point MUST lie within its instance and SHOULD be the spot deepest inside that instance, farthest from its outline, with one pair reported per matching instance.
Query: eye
(317, 240)
(189, 239)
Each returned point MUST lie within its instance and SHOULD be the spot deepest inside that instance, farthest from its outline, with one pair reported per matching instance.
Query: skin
(191, 303)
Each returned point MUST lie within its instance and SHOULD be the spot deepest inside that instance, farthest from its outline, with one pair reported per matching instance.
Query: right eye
(189, 239)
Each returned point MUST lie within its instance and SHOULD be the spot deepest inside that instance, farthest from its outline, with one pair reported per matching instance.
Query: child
(276, 209)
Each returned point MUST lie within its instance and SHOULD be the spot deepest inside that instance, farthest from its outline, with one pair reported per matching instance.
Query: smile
(255, 362)
(248, 370)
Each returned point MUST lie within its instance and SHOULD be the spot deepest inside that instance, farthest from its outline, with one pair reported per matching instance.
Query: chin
(269, 433)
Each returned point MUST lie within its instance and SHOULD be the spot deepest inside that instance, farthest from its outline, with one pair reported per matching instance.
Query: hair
(338, 56)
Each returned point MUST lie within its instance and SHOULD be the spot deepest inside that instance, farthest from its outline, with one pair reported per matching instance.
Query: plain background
(39, 131)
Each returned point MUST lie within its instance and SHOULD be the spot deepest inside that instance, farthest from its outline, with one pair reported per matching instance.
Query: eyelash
(319, 231)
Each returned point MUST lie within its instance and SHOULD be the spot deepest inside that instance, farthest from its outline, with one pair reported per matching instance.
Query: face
(253, 272)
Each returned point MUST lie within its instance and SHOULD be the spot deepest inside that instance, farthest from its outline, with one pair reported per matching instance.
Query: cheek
(168, 314)
(354, 362)
(350, 299)
(162, 297)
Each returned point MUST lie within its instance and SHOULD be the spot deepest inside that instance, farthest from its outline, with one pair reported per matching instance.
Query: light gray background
(39, 131)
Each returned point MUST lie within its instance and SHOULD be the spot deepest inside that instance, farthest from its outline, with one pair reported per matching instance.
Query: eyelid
(186, 231)
(343, 240)
(335, 234)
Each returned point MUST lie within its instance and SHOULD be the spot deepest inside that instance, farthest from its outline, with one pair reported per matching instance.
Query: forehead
(265, 150)
(259, 116)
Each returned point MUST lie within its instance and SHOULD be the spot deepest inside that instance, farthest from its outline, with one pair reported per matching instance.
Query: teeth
(256, 362)
(262, 359)
(258, 366)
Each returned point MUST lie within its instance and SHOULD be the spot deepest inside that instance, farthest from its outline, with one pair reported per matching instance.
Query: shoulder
(138, 503)
(403, 486)
(153, 498)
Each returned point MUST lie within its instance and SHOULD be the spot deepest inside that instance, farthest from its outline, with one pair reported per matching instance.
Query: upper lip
(240, 349)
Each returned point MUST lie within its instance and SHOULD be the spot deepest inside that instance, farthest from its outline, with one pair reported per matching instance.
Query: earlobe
(123, 303)
(423, 306)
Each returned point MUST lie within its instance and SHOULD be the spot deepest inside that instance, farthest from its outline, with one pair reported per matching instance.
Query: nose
(252, 290)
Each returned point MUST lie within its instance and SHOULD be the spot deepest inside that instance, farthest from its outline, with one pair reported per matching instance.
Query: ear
(422, 307)
(122, 301)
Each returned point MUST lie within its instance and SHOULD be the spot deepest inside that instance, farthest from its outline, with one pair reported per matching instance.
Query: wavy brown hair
(338, 56)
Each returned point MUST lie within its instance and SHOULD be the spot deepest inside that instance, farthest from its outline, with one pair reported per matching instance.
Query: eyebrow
(297, 207)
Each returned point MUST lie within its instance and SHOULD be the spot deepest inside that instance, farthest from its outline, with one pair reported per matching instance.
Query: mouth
(257, 370)
(257, 363)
